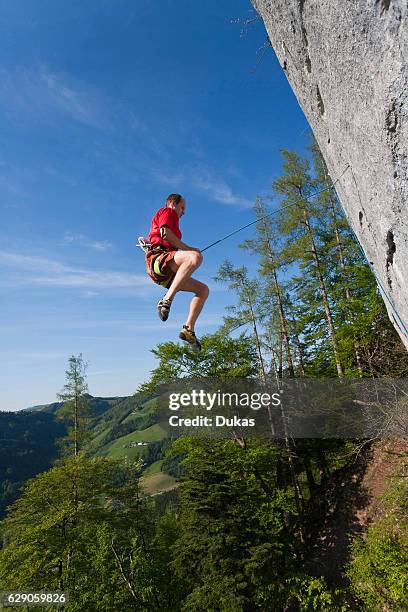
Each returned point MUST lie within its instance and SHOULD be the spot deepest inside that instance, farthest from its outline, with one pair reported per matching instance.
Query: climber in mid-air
(170, 263)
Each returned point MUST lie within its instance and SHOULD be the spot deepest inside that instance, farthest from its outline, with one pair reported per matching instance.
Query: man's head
(177, 203)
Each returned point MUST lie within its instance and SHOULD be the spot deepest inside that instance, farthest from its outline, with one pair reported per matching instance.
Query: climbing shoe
(163, 309)
(189, 336)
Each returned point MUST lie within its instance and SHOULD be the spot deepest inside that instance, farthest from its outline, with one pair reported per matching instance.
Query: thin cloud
(168, 178)
(100, 246)
(90, 294)
(39, 94)
(46, 272)
(11, 186)
(216, 187)
(74, 326)
(220, 190)
(81, 240)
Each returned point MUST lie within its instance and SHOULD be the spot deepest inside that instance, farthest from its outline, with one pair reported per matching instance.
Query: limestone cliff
(347, 62)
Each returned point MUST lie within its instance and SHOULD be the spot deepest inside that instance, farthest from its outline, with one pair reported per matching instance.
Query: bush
(379, 571)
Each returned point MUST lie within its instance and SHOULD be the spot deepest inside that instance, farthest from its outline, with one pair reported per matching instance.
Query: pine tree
(75, 411)
(335, 223)
(296, 222)
(235, 545)
(264, 245)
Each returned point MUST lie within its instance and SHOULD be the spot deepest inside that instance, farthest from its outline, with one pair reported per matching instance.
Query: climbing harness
(157, 257)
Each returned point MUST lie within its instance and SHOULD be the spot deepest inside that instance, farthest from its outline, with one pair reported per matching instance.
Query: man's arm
(172, 239)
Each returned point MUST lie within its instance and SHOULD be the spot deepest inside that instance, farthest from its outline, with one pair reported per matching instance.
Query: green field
(115, 448)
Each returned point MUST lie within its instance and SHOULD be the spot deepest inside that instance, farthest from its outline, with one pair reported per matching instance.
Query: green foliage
(379, 571)
(221, 356)
(245, 311)
(138, 422)
(233, 524)
(312, 594)
(83, 527)
(315, 308)
(222, 594)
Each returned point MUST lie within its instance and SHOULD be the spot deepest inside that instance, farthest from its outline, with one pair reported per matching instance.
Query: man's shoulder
(160, 211)
(167, 213)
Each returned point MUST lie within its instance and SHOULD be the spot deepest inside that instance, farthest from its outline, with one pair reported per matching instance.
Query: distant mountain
(36, 407)
(27, 447)
(28, 440)
(99, 405)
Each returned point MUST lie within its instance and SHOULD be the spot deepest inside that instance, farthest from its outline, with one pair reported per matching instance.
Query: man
(170, 263)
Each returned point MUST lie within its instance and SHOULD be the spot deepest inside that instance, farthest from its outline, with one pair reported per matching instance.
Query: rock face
(347, 62)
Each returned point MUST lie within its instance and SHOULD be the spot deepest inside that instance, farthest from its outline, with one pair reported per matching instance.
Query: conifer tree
(296, 222)
(264, 245)
(75, 411)
(235, 547)
(333, 221)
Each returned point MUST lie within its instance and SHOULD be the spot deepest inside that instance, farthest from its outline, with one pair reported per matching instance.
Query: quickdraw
(143, 244)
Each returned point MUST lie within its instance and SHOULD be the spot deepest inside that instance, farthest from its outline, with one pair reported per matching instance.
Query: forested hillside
(29, 440)
(27, 447)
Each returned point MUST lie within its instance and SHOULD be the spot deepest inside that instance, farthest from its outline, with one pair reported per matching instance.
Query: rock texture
(347, 62)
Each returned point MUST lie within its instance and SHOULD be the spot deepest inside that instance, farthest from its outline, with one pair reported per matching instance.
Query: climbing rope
(274, 212)
(403, 328)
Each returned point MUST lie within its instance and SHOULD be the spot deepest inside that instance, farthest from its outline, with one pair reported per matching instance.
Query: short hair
(174, 198)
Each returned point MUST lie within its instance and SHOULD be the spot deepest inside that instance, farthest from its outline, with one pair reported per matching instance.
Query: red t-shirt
(164, 216)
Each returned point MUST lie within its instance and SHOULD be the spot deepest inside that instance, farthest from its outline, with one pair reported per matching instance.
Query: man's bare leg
(183, 264)
(201, 292)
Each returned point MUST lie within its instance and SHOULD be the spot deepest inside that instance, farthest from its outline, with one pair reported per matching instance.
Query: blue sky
(106, 106)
